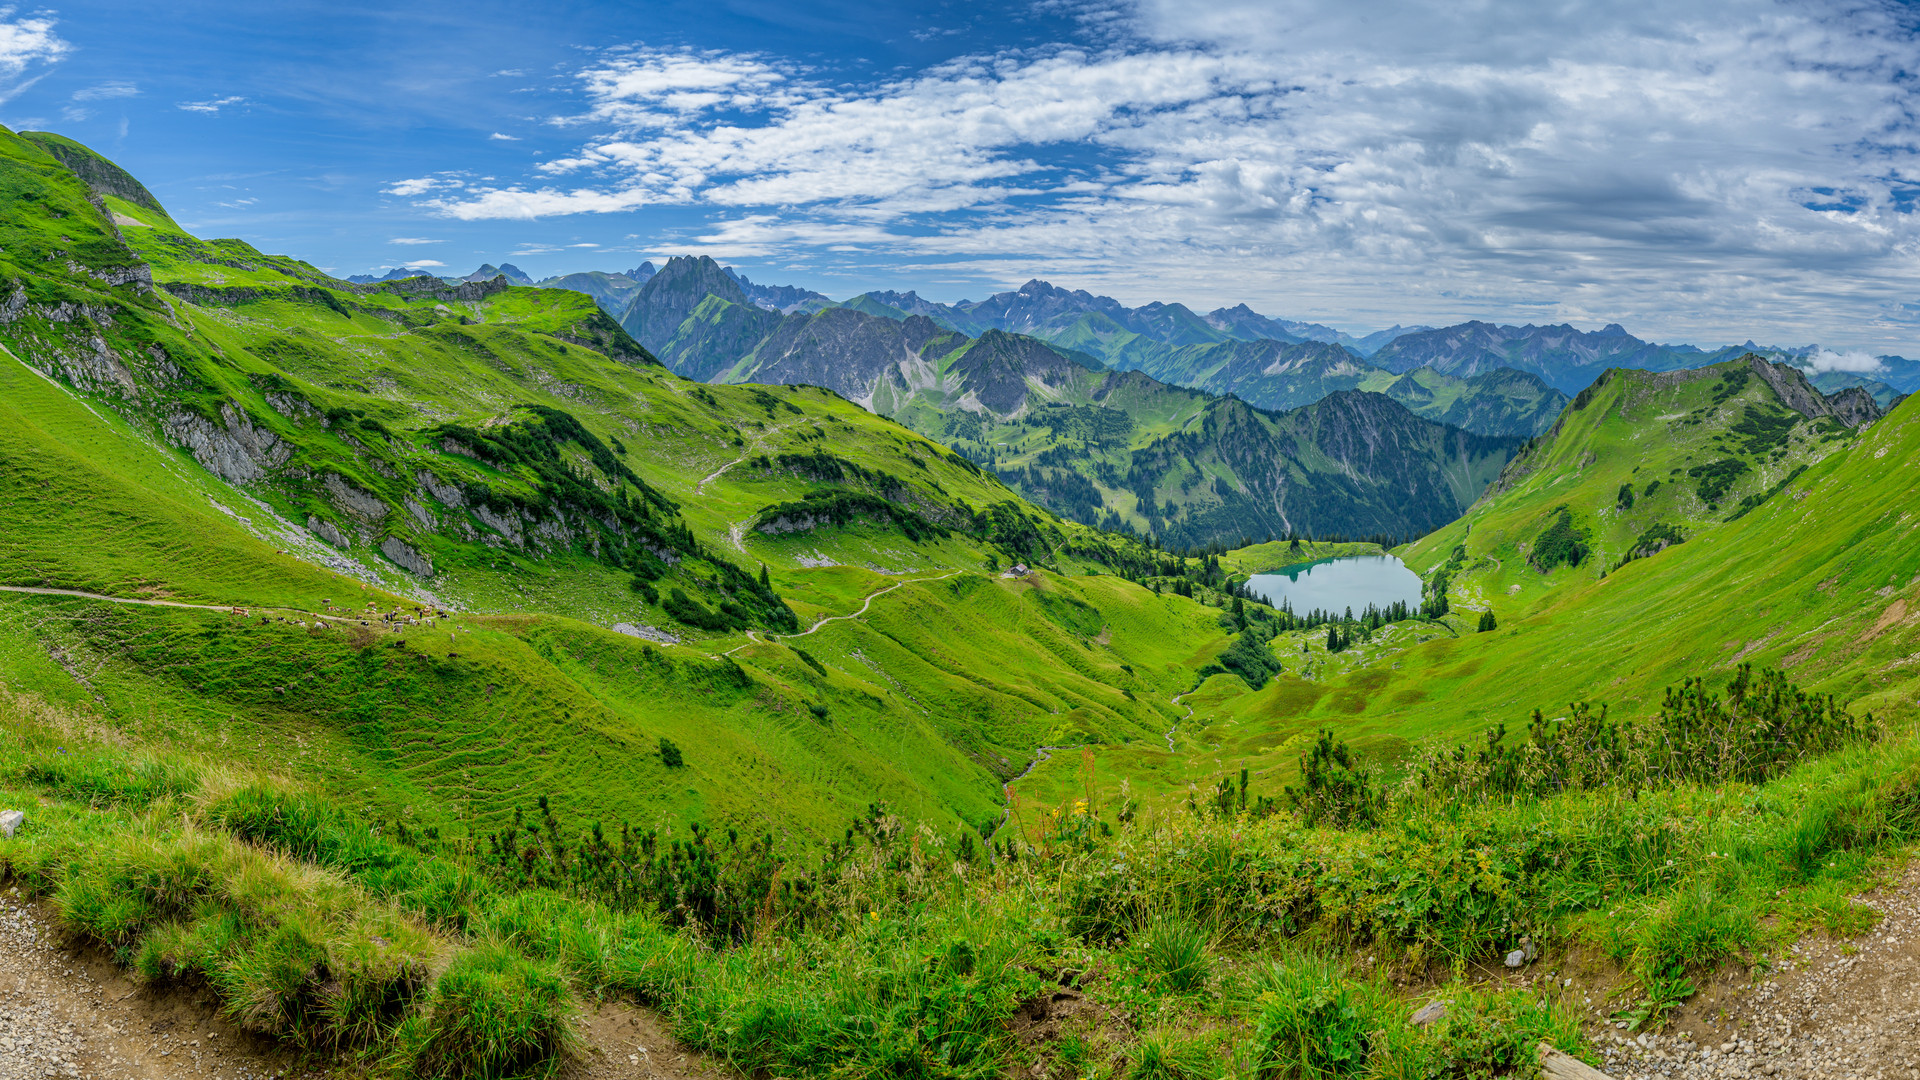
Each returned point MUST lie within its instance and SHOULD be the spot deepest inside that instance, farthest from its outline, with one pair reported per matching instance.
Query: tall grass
(898, 957)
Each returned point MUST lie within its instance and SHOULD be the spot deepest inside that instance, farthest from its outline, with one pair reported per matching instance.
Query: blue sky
(1708, 172)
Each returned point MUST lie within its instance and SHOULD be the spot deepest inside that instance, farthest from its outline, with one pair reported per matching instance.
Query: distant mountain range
(1485, 377)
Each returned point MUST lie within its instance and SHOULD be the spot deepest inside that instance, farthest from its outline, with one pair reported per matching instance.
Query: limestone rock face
(406, 557)
(326, 530)
(352, 500)
(235, 449)
(10, 822)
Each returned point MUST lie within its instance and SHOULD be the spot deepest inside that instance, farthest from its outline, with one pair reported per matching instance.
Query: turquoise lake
(1334, 585)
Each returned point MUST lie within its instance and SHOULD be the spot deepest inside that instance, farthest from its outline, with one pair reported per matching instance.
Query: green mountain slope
(488, 549)
(1125, 451)
(1801, 559)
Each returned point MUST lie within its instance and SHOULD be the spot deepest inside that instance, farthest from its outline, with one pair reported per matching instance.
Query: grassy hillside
(407, 665)
(1802, 561)
(489, 550)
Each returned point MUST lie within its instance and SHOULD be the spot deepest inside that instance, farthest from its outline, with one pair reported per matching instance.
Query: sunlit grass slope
(1822, 578)
(199, 422)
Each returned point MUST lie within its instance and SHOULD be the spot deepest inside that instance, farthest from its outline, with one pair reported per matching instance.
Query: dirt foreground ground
(1840, 1009)
(1835, 1009)
(67, 1014)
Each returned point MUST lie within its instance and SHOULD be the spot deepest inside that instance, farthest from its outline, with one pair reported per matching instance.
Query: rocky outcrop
(99, 174)
(448, 494)
(506, 524)
(1854, 407)
(437, 289)
(235, 449)
(364, 505)
(405, 557)
(139, 274)
(292, 406)
(326, 530)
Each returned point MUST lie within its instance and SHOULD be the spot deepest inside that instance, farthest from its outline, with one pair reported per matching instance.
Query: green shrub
(1486, 1034)
(670, 755)
(493, 1013)
(1312, 1021)
(1335, 789)
(1561, 543)
(1173, 951)
(1250, 658)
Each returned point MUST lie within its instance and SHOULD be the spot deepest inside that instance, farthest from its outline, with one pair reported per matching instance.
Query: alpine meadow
(662, 673)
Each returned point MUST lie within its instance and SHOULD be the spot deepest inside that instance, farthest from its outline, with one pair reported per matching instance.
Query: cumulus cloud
(212, 106)
(499, 136)
(1694, 169)
(1857, 363)
(26, 43)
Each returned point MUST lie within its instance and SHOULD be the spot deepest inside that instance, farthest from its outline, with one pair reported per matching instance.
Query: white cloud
(211, 106)
(423, 264)
(503, 137)
(1697, 169)
(653, 88)
(419, 186)
(412, 240)
(1858, 363)
(113, 88)
(27, 41)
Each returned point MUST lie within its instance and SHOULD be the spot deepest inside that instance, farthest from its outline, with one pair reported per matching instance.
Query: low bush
(1173, 952)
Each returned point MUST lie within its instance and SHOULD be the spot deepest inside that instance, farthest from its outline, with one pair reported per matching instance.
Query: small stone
(11, 820)
(1516, 958)
(1429, 1013)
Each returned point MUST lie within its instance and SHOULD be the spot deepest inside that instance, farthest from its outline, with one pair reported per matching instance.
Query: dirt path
(65, 1013)
(754, 635)
(223, 608)
(69, 1013)
(1176, 724)
(1838, 1009)
(759, 445)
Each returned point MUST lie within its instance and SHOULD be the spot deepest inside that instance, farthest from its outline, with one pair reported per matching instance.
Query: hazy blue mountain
(488, 272)
(781, 298)
(396, 274)
(1563, 357)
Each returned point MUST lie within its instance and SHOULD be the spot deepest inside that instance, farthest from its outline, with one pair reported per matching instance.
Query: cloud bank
(1694, 168)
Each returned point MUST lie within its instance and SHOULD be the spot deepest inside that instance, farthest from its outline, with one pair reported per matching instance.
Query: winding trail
(1176, 724)
(226, 608)
(755, 638)
(759, 445)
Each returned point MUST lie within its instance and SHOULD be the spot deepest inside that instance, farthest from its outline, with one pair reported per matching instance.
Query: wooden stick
(1555, 1065)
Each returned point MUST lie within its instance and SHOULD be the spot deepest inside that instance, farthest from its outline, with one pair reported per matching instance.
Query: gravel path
(63, 1014)
(1836, 1010)
(67, 1015)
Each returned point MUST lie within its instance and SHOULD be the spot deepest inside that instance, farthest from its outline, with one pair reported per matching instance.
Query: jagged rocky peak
(488, 272)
